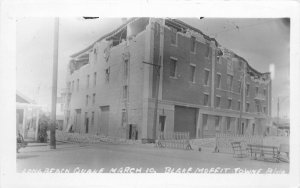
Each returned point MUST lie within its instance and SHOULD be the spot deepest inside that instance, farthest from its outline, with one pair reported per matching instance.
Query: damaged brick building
(164, 70)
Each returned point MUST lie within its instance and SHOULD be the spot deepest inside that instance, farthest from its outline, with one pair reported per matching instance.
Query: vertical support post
(54, 85)
(37, 124)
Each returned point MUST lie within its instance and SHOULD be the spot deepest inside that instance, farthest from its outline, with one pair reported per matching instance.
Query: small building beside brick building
(200, 86)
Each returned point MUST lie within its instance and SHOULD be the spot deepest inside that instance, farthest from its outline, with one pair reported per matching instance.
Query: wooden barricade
(178, 140)
(223, 141)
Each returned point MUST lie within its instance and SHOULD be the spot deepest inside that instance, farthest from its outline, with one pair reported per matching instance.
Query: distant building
(202, 87)
(27, 116)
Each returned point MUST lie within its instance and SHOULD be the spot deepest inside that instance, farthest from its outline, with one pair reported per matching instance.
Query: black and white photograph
(197, 95)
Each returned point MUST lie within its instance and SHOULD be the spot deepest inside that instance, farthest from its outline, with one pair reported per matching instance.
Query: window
(95, 54)
(265, 109)
(228, 123)
(125, 92)
(247, 107)
(73, 85)
(240, 65)
(173, 36)
(256, 91)
(229, 82)
(229, 103)
(218, 80)
(107, 72)
(192, 73)
(87, 81)
(77, 88)
(93, 118)
(193, 44)
(239, 105)
(257, 107)
(207, 50)
(173, 67)
(126, 69)
(206, 77)
(124, 118)
(217, 123)
(94, 98)
(265, 92)
(218, 101)
(205, 126)
(239, 86)
(86, 100)
(205, 102)
(86, 122)
(95, 79)
(248, 89)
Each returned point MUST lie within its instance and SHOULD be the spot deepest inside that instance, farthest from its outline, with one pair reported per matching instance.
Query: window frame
(205, 103)
(206, 81)
(193, 43)
(229, 107)
(173, 60)
(218, 85)
(193, 73)
(218, 105)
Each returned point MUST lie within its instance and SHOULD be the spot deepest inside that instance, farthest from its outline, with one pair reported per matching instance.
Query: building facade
(162, 70)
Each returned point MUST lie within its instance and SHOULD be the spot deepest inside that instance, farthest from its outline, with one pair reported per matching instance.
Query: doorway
(162, 120)
(86, 123)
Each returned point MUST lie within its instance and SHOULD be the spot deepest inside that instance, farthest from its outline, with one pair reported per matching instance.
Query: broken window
(229, 103)
(193, 44)
(206, 77)
(173, 35)
(248, 89)
(93, 118)
(95, 79)
(87, 100)
(218, 101)
(207, 50)
(95, 55)
(229, 82)
(125, 69)
(107, 72)
(218, 80)
(205, 102)
(94, 98)
(125, 92)
(173, 67)
(124, 118)
(239, 86)
(217, 123)
(228, 123)
(247, 107)
(205, 126)
(192, 73)
(87, 81)
(257, 108)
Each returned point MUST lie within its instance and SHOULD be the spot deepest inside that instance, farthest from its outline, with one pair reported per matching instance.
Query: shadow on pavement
(26, 156)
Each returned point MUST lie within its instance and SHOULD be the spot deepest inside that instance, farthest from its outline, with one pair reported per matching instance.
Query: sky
(261, 42)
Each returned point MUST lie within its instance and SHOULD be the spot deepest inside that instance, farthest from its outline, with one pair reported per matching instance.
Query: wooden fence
(178, 140)
(223, 141)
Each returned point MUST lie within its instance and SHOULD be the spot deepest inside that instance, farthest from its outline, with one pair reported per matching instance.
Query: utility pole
(54, 85)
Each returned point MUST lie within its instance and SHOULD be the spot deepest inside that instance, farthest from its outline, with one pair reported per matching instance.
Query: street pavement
(135, 158)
